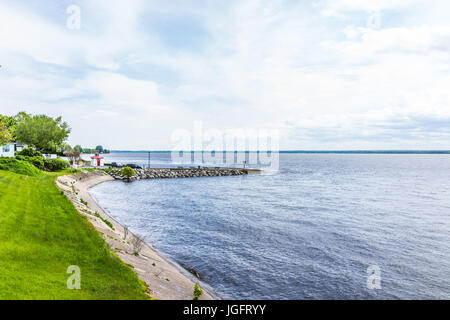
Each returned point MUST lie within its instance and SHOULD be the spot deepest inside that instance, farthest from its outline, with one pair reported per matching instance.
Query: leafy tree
(66, 146)
(99, 149)
(21, 116)
(78, 148)
(42, 132)
(7, 129)
(5, 134)
(10, 122)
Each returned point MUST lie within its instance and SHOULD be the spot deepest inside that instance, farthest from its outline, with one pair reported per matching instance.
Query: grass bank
(42, 234)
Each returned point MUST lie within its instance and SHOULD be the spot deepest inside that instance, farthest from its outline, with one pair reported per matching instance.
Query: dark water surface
(308, 232)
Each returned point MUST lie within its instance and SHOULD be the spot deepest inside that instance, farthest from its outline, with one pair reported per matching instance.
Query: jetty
(165, 173)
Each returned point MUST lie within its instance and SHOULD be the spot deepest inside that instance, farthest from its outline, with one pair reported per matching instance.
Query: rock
(177, 173)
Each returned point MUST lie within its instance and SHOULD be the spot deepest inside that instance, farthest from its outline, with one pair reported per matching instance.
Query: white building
(50, 156)
(8, 151)
(20, 147)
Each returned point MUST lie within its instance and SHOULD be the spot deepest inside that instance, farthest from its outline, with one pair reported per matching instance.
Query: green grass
(107, 222)
(42, 234)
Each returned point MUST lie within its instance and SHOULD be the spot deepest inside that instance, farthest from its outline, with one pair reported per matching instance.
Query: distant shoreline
(305, 151)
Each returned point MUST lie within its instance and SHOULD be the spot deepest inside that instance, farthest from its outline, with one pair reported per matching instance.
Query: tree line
(98, 149)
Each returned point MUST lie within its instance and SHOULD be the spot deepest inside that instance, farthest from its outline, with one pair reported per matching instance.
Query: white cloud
(366, 44)
(338, 7)
(264, 64)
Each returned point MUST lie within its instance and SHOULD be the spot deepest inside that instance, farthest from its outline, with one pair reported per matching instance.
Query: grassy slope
(21, 167)
(42, 234)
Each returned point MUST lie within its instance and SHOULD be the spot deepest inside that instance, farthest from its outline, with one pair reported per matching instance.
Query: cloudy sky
(340, 74)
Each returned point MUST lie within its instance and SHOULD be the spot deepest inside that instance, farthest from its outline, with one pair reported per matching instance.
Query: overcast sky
(340, 74)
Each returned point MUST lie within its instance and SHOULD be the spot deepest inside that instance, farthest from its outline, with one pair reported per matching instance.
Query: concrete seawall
(164, 173)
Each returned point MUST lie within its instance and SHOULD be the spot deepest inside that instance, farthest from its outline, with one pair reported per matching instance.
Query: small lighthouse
(97, 160)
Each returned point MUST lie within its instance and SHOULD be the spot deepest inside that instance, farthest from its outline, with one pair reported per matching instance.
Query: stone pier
(163, 173)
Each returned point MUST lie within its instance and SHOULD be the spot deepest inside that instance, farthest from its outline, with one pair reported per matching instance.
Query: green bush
(198, 291)
(55, 164)
(29, 152)
(38, 162)
(20, 167)
(127, 172)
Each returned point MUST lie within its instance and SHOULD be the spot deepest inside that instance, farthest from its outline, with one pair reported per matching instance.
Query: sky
(328, 75)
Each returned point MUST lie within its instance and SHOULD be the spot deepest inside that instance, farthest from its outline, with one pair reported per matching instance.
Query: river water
(309, 231)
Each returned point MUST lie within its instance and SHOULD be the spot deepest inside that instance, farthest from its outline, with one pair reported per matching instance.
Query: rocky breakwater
(157, 173)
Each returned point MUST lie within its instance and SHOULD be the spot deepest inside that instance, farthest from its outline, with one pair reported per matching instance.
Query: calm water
(308, 232)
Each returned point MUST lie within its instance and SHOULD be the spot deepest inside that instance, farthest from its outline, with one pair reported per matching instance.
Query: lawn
(42, 234)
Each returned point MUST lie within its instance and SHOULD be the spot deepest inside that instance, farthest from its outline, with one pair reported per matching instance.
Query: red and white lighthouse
(97, 160)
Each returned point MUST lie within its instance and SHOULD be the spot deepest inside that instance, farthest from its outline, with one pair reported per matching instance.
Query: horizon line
(421, 151)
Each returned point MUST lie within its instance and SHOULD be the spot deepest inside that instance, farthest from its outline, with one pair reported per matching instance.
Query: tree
(65, 147)
(21, 116)
(5, 134)
(78, 148)
(73, 155)
(42, 132)
(8, 126)
(99, 149)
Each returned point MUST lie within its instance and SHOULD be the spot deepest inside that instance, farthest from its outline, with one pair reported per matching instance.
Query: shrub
(198, 291)
(17, 166)
(127, 172)
(38, 162)
(29, 152)
(55, 164)
(44, 164)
